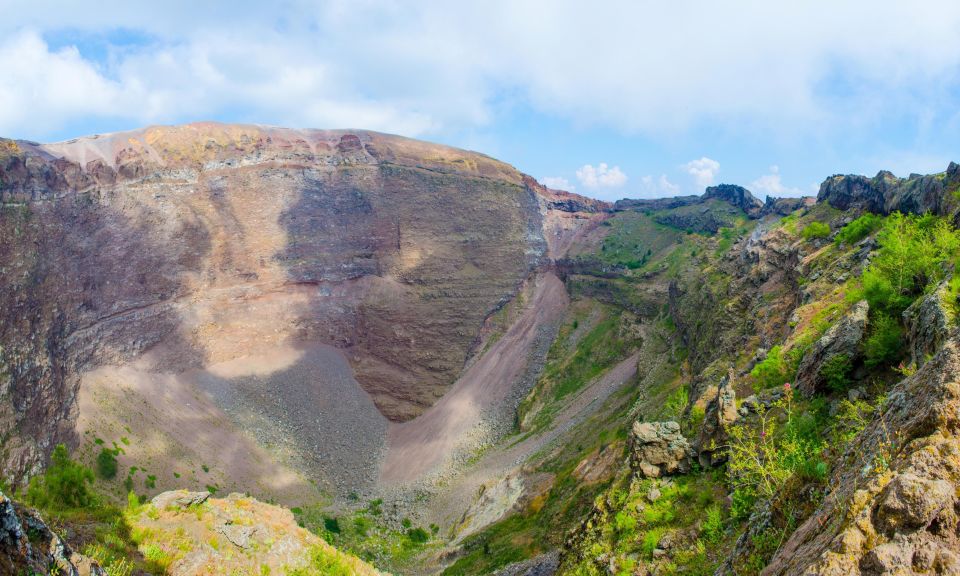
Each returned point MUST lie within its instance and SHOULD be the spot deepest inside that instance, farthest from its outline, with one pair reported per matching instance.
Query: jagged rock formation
(28, 546)
(885, 193)
(720, 414)
(735, 196)
(206, 243)
(658, 449)
(784, 206)
(841, 340)
(927, 322)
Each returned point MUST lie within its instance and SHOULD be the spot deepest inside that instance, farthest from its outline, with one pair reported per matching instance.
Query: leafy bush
(107, 464)
(815, 230)
(765, 456)
(418, 535)
(677, 402)
(64, 486)
(859, 229)
(912, 256)
(712, 528)
(836, 372)
(331, 525)
(882, 345)
(771, 371)
(625, 523)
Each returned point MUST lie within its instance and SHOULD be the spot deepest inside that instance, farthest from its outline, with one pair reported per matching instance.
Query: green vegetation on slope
(593, 340)
(365, 534)
(912, 257)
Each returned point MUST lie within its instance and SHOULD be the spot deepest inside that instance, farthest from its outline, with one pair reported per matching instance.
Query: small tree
(64, 486)
(107, 464)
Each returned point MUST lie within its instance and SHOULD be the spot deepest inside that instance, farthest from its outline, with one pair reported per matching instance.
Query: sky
(605, 98)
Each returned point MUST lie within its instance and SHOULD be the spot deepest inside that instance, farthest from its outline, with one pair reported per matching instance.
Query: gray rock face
(844, 337)
(885, 193)
(179, 499)
(784, 206)
(736, 195)
(28, 546)
(659, 448)
(720, 414)
(928, 324)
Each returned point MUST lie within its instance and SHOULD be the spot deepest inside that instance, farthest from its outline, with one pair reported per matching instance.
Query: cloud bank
(431, 67)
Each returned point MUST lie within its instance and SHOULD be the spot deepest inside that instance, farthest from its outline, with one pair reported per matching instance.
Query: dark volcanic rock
(785, 206)
(736, 196)
(653, 205)
(28, 546)
(720, 414)
(886, 193)
(928, 323)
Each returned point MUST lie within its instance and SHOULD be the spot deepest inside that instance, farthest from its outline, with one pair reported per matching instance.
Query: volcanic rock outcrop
(886, 193)
(659, 449)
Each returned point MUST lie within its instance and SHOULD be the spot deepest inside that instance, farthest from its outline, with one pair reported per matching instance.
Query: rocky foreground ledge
(185, 533)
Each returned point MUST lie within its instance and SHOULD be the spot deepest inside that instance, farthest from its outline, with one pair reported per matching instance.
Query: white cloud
(703, 171)
(434, 67)
(771, 185)
(602, 176)
(661, 187)
(558, 183)
(40, 89)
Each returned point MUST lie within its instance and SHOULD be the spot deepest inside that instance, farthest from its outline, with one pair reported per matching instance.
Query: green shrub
(836, 371)
(650, 540)
(912, 255)
(677, 402)
(815, 230)
(859, 229)
(771, 371)
(712, 528)
(417, 535)
(763, 456)
(107, 464)
(625, 523)
(331, 525)
(882, 345)
(64, 486)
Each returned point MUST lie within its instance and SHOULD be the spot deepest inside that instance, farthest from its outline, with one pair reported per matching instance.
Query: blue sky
(610, 99)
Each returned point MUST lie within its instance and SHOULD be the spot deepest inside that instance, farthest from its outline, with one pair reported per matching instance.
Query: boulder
(928, 324)
(179, 499)
(659, 448)
(844, 338)
(910, 502)
(721, 413)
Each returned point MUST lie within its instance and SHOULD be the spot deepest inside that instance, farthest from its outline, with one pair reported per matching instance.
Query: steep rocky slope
(208, 243)
(493, 377)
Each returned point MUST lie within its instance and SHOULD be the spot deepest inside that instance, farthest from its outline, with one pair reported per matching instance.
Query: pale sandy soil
(281, 423)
